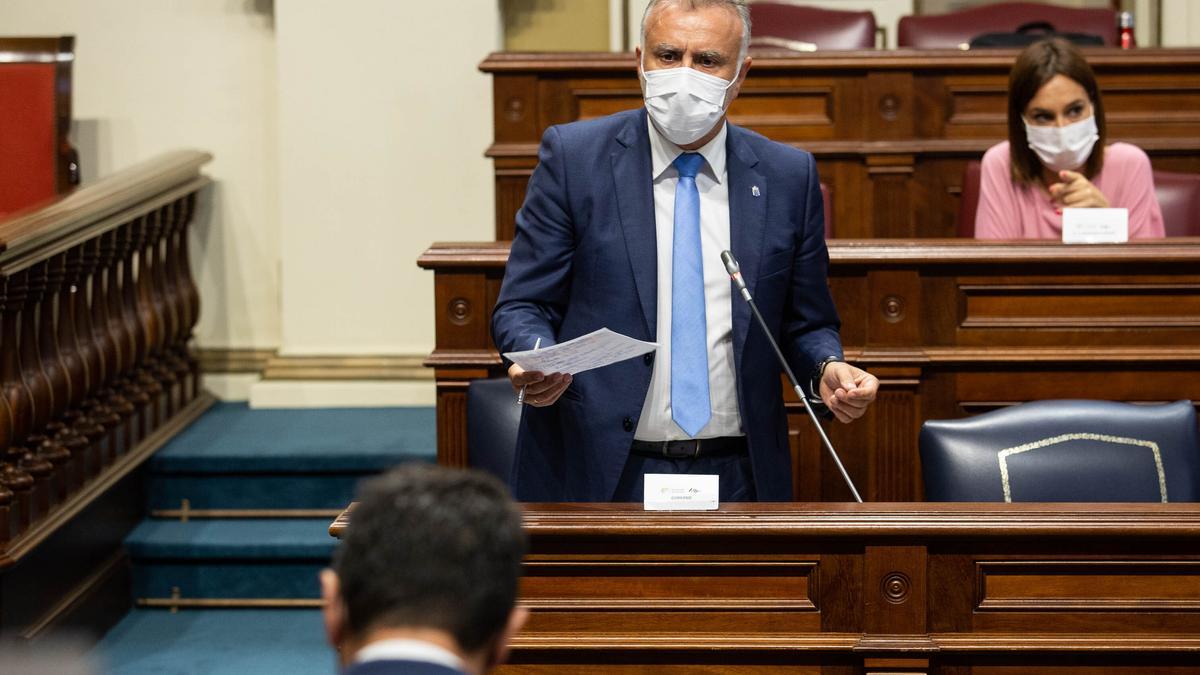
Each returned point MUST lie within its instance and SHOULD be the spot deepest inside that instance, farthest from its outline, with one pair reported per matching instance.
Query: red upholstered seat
(949, 31)
(970, 199)
(1178, 196)
(34, 119)
(789, 26)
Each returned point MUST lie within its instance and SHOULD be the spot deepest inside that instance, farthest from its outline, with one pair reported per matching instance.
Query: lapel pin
(754, 190)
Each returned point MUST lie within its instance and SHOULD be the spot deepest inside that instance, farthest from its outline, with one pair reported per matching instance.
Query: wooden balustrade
(97, 306)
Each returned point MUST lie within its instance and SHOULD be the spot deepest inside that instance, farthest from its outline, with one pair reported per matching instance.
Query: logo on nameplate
(681, 492)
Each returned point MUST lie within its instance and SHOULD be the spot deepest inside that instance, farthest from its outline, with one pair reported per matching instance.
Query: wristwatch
(814, 383)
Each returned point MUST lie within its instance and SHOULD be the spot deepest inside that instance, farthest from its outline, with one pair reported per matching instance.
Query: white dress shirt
(655, 423)
(408, 650)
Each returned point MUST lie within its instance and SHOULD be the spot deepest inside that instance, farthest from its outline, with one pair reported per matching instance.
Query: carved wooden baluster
(183, 293)
(40, 390)
(165, 300)
(13, 293)
(149, 387)
(6, 505)
(12, 478)
(71, 296)
(90, 351)
(20, 483)
(168, 293)
(127, 330)
(150, 303)
(110, 348)
(192, 293)
(52, 312)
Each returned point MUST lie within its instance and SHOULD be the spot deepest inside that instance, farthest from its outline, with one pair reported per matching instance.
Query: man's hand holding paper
(546, 373)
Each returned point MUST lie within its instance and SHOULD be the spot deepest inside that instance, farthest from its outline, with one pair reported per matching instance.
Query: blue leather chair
(492, 419)
(1064, 451)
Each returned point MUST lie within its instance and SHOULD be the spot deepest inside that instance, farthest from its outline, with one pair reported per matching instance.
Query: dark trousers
(736, 482)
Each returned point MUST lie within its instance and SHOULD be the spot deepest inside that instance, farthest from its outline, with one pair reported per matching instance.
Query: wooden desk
(861, 588)
(891, 130)
(951, 327)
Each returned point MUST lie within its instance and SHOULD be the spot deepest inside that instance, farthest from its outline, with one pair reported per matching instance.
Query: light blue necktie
(690, 404)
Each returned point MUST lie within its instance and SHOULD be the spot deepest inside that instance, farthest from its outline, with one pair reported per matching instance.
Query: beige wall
(556, 25)
(1180, 23)
(152, 76)
(383, 122)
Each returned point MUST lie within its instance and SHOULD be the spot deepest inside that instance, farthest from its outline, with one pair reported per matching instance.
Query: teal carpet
(232, 438)
(216, 642)
(235, 458)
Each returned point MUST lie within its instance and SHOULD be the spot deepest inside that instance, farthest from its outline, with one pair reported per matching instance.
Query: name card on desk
(1095, 226)
(681, 492)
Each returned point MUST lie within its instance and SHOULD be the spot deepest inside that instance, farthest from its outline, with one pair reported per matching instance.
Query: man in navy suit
(623, 224)
(425, 580)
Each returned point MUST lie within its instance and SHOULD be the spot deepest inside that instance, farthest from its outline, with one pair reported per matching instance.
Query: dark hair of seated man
(431, 558)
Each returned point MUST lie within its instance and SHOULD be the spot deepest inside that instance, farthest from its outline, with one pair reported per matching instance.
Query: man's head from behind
(431, 553)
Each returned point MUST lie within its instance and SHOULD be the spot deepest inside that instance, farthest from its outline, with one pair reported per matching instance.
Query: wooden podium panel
(891, 130)
(950, 327)
(861, 588)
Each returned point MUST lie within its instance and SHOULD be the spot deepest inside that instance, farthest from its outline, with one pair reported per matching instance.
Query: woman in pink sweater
(1055, 156)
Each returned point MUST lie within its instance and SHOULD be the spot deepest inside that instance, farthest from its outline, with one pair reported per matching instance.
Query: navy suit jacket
(399, 667)
(584, 257)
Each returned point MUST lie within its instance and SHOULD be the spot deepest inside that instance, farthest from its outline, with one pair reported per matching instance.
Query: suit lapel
(748, 194)
(635, 202)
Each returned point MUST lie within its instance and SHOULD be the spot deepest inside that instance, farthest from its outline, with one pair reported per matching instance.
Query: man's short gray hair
(738, 6)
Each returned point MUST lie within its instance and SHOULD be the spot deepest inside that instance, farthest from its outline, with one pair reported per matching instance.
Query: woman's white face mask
(684, 103)
(1062, 148)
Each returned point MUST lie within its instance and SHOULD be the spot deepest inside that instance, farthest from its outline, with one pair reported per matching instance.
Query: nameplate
(1095, 226)
(681, 492)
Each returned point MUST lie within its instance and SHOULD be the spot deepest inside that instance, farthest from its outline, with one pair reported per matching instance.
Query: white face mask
(1062, 148)
(683, 102)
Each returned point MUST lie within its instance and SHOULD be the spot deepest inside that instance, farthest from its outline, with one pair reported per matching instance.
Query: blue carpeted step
(232, 438)
(251, 558)
(253, 491)
(237, 458)
(216, 642)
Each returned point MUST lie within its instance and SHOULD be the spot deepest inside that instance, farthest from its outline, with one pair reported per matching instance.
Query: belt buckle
(682, 453)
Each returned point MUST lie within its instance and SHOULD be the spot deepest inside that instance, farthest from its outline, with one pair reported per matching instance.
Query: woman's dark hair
(1036, 66)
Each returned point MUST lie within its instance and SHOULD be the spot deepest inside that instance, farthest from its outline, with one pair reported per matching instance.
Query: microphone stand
(735, 273)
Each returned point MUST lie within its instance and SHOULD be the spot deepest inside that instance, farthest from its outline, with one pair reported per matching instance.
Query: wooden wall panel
(951, 589)
(891, 131)
(950, 327)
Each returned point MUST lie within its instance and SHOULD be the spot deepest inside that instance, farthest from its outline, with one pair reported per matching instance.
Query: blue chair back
(1064, 451)
(492, 419)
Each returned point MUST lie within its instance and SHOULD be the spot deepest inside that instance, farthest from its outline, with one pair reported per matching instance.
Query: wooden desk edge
(884, 519)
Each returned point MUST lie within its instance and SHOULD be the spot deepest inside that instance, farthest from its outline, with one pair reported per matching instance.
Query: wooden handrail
(85, 212)
(893, 59)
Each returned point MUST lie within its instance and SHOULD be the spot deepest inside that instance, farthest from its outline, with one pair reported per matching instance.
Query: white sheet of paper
(681, 492)
(1095, 226)
(596, 349)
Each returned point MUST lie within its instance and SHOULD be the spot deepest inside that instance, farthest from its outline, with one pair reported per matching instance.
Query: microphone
(735, 274)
